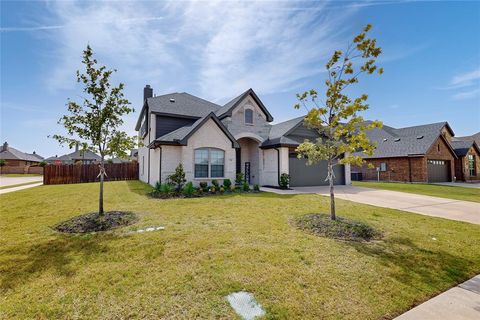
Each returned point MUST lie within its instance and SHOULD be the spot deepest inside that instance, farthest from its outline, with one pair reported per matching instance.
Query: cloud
(465, 79)
(213, 49)
(468, 82)
(467, 95)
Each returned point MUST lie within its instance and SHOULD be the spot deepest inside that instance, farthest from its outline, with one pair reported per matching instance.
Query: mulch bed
(341, 228)
(93, 222)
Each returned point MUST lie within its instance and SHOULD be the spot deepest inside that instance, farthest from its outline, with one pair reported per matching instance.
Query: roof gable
(181, 135)
(226, 110)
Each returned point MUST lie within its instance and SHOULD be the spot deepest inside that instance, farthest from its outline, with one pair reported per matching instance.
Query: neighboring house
(413, 154)
(217, 142)
(467, 166)
(17, 158)
(85, 157)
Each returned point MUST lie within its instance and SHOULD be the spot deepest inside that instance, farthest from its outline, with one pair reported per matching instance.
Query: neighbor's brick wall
(441, 151)
(22, 170)
(461, 167)
(398, 169)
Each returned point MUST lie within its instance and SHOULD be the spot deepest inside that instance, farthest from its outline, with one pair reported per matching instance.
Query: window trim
(252, 109)
(209, 165)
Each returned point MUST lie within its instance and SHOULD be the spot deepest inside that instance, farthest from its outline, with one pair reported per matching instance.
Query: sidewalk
(460, 303)
(7, 190)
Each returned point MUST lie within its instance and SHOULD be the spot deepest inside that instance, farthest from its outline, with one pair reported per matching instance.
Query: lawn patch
(341, 228)
(93, 222)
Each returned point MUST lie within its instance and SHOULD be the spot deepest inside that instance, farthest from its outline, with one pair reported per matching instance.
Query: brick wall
(398, 169)
(441, 151)
(462, 171)
(22, 170)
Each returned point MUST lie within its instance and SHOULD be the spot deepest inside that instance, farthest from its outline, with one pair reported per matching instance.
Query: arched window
(248, 116)
(209, 163)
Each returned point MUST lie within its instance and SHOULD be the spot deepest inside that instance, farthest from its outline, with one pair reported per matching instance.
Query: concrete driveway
(10, 181)
(426, 205)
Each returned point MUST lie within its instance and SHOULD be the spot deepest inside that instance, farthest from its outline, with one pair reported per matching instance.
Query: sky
(217, 50)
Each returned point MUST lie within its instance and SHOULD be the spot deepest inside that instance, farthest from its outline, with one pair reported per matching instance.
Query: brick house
(218, 142)
(467, 165)
(413, 154)
(18, 161)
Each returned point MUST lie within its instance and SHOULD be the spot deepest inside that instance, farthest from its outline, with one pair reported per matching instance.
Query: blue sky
(218, 50)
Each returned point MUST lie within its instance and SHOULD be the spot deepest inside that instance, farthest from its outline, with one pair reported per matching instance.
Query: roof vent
(419, 137)
(385, 140)
(396, 139)
(172, 100)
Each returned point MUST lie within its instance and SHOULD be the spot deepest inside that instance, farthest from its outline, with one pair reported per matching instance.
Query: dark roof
(474, 137)
(181, 135)
(404, 142)
(461, 147)
(279, 132)
(180, 104)
(9, 153)
(76, 155)
(226, 110)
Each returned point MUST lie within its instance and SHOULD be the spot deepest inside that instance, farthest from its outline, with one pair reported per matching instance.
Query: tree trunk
(332, 195)
(100, 200)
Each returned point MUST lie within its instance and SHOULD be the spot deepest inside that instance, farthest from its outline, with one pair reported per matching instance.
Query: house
(467, 165)
(17, 158)
(413, 154)
(214, 141)
(85, 157)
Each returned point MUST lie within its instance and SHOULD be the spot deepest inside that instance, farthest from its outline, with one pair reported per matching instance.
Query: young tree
(95, 123)
(342, 130)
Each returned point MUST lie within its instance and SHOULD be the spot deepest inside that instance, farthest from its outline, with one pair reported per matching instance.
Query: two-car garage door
(303, 175)
(438, 170)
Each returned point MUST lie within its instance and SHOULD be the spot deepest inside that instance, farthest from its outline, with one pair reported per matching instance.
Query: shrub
(204, 185)
(215, 183)
(178, 178)
(213, 190)
(284, 180)
(222, 189)
(232, 188)
(256, 187)
(162, 189)
(239, 178)
(43, 163)
(166, 188)
(188, 190)
(246, 186)
(227, 184)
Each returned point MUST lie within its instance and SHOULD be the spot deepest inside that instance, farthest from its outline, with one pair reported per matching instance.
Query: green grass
(20, 175)
(449, 192)
(19, 185)
(213, 246)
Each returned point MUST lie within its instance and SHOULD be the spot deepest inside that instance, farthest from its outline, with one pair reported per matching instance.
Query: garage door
(438, 170)
(302, 175)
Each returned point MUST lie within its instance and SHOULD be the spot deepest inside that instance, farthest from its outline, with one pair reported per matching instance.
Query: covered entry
(438, 170)
(303, 175)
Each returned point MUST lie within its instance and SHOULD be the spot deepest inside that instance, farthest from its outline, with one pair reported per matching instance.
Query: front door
(247, 172)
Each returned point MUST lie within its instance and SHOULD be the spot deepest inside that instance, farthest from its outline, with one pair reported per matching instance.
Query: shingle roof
(14, 154)
(402, 142)
(474, 137)
(76, 155)
(461, 147)
(181, 135)
(279, 131)
(185, 104)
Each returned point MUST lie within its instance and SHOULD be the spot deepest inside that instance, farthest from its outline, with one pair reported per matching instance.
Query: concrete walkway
(460, 184)
(10, 181)
(460, 303)
(8, 190)
(431, 206)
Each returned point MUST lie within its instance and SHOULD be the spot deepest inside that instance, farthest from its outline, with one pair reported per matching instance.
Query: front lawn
(449, 192)
(214, 246)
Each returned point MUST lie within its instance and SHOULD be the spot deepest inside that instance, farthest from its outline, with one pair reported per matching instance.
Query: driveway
(10, 181)
(426, 205)
(8, 184)
(460, 184)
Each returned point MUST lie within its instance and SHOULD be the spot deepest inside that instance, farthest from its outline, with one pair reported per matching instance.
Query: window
(471, 165)
(248, 116)
(209, 163)
(383, 166)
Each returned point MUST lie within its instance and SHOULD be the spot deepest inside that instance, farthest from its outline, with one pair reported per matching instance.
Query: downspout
(160, 166)
(278, 166)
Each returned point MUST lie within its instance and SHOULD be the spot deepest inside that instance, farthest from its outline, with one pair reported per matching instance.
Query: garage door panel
(438, 170)
(302, 174)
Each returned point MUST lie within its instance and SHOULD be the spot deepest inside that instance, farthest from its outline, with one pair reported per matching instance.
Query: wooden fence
(81, 173)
